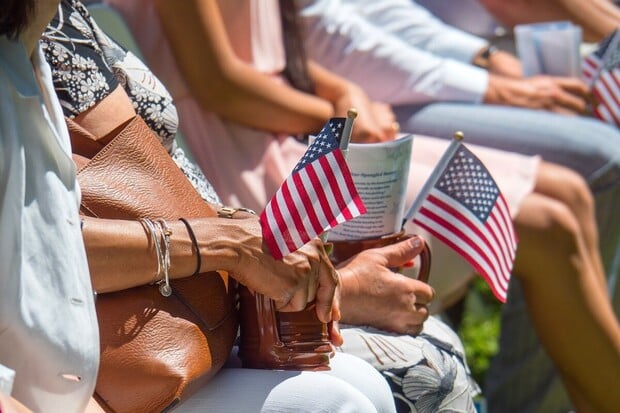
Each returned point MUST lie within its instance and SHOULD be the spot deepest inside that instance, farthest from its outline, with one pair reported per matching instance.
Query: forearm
(597, 18)
(328, 85)
(121, 254)
(227, 85)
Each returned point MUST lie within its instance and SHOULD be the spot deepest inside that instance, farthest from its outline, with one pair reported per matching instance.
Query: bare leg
(568, 187)
(570, 310)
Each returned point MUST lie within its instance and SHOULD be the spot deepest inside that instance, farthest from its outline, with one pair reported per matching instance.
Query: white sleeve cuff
(7, 376)
(460, 46)
(462, 82)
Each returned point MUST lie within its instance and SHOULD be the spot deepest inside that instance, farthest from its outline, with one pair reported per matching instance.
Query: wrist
(182, 252)
(232, 245)
(349, 285)
(483, 57)
(497, 90)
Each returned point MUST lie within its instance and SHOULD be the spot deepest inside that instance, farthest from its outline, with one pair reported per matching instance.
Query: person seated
(73, 34)
(404, 56)
(230, 72)
(48, 325)
(597, 18)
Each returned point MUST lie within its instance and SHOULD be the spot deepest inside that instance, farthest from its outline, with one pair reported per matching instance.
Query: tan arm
(223, 83)
(598, 18)
(10, 405)
(120, 257)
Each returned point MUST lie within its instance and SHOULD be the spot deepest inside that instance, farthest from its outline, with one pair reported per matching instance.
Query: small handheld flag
(318, 195)
(463, 207)
(601, 70)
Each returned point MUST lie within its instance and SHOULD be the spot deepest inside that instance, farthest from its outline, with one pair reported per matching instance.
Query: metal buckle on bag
(228, 212)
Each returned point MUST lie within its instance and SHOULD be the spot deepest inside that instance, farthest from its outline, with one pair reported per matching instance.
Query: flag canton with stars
(468, 181)
(605, 57)
(326, 141)
(609, 50)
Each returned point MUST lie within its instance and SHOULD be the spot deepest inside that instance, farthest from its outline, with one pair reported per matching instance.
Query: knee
(579, 198)
(549, 237)
(365, 379)
(558, 231)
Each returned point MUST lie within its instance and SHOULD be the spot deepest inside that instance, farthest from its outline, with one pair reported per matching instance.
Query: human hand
(505, 64)
(333, 327)
(557, 94)
(373, 295)
(375, 121)
(293, 282)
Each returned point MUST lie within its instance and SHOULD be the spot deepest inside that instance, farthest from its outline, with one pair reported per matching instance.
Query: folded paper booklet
(550, 48)
(380, 172)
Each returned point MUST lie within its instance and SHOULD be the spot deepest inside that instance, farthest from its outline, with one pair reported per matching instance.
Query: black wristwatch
(482, 58)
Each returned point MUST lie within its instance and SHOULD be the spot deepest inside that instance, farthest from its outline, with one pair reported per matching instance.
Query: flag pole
(432, 180)
(344, 147)
(346, 132)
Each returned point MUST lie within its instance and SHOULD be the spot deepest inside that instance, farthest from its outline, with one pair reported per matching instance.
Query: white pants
(351, 386)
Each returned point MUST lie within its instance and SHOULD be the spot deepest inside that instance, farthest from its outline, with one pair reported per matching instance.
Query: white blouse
(48, 326)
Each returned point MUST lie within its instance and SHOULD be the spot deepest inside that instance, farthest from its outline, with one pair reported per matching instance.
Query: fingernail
(415, 242)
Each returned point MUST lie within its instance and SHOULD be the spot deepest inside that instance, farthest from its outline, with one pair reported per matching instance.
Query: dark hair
(15, 15)
(296, 70)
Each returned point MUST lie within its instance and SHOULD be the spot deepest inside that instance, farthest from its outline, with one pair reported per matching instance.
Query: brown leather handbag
(155, 350)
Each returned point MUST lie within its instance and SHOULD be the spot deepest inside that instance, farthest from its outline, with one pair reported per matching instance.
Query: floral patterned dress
(87, 66)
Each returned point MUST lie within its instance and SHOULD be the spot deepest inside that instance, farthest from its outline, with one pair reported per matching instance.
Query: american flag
(601, 70)
(465, 209)
(318, 195)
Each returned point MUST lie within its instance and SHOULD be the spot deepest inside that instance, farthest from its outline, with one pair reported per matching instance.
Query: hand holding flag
(462, 206)
(318, 195)
(601, 70)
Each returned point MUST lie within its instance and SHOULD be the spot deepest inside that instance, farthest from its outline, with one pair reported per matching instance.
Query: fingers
(568, 101)
(305, 290)
(318, 282)
(419, 315)
(328, 281)
(402, 252)
(385, 119)
(573, 86)
(566, 94)
(414, 330)
(334, 334)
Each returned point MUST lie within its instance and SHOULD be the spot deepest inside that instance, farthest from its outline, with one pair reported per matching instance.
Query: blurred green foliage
(479, 328)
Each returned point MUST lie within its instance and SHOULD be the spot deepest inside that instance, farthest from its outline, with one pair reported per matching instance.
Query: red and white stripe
(316, 198)
(490, 247)
(606, 90)
(590, 67)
